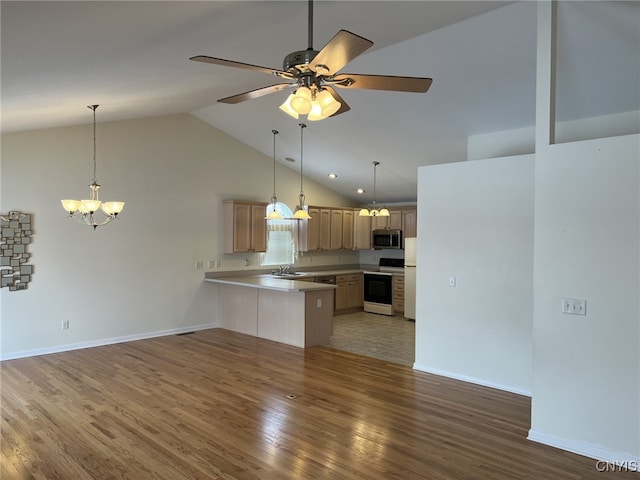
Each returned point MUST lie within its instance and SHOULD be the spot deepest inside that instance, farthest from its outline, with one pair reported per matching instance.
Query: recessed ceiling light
(360, 191)
(333, 175)
(289, 159)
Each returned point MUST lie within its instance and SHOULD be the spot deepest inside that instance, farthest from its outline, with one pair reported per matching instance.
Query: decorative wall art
(15, 273)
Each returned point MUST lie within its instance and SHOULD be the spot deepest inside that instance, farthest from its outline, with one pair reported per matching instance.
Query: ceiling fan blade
(343, 105)
(246, 66)
(341, 49)
(260, 92)
(382, 82)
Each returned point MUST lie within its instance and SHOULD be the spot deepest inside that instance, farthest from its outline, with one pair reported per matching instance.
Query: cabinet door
(258, 228)
(379, 223)
(336, 230)
(409, 222)
(363, 232)
(241, 227)
(355, 290)
(347, 229)
(395, 219)
(342, 292)
(313, 229)
(398, 293)
(325, 229)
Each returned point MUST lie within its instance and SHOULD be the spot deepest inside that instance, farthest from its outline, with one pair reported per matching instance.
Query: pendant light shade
(373, 211)
(274, 214)
(301, 210)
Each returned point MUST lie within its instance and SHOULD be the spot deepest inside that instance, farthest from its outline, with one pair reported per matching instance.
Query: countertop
(268, 282)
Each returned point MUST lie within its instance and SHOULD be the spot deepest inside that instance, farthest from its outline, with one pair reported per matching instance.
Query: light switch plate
(574, 306)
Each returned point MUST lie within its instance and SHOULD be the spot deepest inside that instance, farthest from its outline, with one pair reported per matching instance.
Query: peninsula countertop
(268, 282)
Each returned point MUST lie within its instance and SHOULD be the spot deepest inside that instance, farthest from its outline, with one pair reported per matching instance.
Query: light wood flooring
(220, 405)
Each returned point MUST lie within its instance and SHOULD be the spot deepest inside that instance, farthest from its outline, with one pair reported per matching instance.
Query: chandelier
(374, 212)
(274, 214)
(85, 210)
(301, 209)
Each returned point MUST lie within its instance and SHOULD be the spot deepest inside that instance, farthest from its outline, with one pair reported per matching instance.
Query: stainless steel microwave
(386, 239)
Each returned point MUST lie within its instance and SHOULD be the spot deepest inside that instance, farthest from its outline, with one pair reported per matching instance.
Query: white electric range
(378, 286)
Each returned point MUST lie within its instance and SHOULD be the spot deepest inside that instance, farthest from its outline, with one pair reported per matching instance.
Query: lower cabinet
(350, 292)
(398, 294)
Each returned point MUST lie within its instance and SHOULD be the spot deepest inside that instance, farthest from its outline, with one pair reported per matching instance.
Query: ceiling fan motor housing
(298, 61)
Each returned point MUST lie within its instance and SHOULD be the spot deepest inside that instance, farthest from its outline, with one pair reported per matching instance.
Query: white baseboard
(477, 381)
(587, 449)
(104, 341)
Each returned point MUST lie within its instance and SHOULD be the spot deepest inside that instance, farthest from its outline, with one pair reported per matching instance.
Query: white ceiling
(132, 58)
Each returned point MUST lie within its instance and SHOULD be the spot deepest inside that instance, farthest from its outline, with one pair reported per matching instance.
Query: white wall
(475, 222)
(135, 277)
(586, 377)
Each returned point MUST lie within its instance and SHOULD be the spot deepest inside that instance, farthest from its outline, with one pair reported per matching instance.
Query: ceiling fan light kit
(315, 73)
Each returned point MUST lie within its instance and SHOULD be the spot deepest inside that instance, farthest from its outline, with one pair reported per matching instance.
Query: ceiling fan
(314, 74)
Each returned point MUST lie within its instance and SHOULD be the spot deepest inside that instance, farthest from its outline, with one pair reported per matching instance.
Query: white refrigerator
(410, 245)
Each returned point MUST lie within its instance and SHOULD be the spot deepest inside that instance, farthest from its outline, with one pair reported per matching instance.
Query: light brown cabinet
(398, 294)
(347, 229)
(409, 222)
(245, 228)
(336, 230)
(328, 229)
(362, 234)
(392, 222)
(325, 229)
(350, 292)
(343, 229)
(309, 231)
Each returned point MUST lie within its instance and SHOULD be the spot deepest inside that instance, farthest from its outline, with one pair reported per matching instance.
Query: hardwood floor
(217, 405)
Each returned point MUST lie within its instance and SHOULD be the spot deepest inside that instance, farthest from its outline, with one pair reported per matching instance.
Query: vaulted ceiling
(132, 58)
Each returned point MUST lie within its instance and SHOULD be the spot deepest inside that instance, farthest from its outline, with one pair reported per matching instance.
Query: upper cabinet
(336, 230)
(409, 222)
(392, 222)
(245, 228)
(362, 233)
(348, 229)
(343, 229)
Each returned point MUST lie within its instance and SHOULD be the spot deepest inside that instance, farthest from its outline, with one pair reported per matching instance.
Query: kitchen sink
(288, 275)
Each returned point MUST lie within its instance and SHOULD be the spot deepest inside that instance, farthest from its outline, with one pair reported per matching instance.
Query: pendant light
(301, 209)
(374, 212)
(85, 209)
(274, 214)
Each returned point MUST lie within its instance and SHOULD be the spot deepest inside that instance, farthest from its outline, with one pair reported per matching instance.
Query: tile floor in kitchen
(380, 336)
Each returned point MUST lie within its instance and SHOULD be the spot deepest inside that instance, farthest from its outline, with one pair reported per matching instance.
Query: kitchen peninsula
(295, 312)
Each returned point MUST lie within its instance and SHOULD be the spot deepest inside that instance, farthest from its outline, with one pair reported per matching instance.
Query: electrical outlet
(199, 264)
(212, 264)
(65, 325)
(319, 303)
(574, 306)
